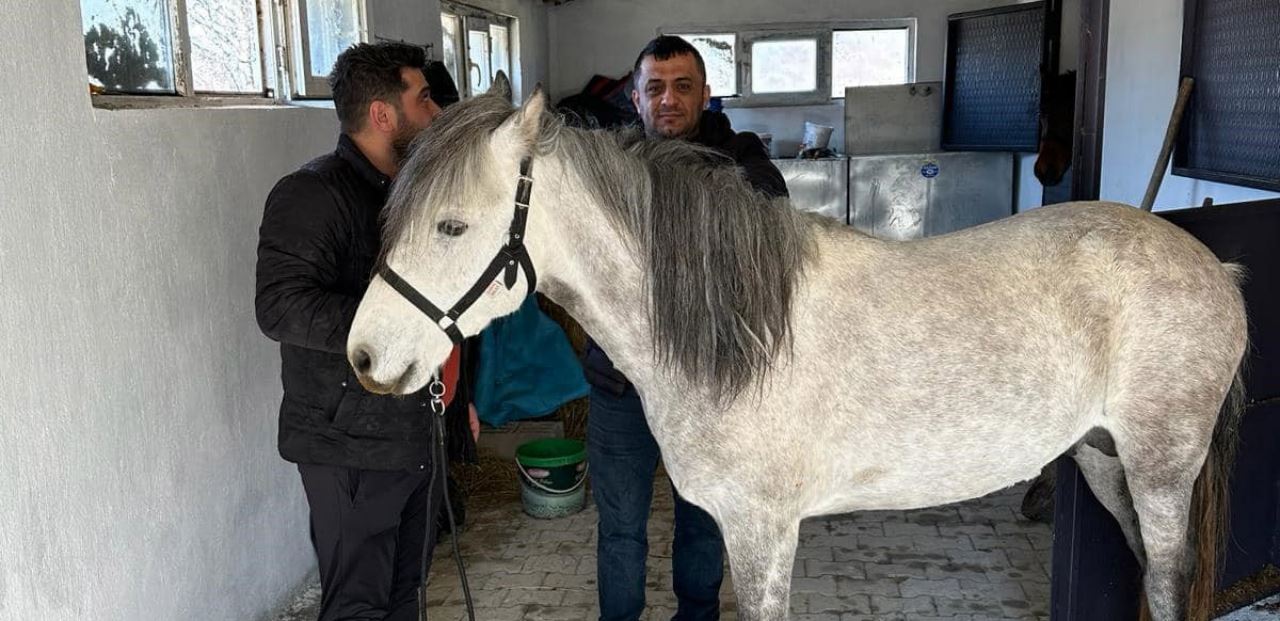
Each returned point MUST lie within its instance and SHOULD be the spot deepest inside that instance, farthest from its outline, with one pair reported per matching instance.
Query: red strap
(449, 374)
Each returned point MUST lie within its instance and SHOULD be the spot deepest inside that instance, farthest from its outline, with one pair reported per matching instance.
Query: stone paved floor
(974, 561)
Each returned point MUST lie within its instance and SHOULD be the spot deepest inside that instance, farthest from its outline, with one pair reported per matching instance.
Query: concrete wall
(138, 418)
(1144, 55)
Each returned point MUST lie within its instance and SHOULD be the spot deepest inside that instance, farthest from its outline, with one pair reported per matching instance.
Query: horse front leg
(762, 551)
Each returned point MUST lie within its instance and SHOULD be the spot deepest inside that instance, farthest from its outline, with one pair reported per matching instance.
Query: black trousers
(368, 528)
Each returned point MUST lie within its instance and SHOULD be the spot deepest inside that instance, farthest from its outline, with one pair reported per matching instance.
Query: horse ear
(523, 126)
(501, 86)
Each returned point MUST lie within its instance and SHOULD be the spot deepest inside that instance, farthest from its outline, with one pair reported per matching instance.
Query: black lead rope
(512, 257)
(440, 464)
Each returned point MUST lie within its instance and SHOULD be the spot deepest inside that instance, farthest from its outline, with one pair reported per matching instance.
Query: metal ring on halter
(435, 388)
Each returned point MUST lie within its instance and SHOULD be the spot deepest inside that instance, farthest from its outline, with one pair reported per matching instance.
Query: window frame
(471, 18)
(747, 34)
(283, 52)
(303, 84)
(822, 65)
(908, 24)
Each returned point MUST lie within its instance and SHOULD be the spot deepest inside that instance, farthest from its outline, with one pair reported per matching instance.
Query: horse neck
(589, 269)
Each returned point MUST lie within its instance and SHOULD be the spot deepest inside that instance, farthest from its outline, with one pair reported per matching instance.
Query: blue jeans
(623, 457)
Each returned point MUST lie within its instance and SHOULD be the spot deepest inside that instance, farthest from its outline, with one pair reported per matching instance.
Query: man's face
(415, 110)
(670, 95)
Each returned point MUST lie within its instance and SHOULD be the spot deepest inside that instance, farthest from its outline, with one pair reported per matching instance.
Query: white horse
(792, 368)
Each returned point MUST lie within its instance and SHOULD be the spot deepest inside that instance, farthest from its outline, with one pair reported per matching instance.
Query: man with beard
(366, 460)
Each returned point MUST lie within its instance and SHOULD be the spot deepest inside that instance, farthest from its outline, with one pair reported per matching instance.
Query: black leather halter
(511, 256)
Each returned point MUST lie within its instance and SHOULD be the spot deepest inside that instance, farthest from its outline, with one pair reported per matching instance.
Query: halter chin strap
(512, 256)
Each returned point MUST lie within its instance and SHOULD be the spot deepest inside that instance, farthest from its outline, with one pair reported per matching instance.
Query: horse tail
(1209, 504)
(1209, 501)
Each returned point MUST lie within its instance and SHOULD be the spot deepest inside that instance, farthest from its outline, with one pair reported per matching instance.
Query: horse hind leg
(762, 551)
(1103, 471)
(1163, 453)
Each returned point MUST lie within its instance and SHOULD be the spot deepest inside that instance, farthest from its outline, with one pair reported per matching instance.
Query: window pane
(784, 66)
(868, 58)
(128, 46)
(450, 24)
(500, 58)
(225, 51)
(332, 27)
(720, 56)
(478, 61)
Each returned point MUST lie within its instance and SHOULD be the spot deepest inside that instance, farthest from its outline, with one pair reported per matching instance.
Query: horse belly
(932, 458)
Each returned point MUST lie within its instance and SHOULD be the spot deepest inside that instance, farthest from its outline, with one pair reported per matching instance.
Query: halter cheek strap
(510, 258)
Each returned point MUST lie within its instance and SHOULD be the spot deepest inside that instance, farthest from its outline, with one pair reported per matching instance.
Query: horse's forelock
(443, 164)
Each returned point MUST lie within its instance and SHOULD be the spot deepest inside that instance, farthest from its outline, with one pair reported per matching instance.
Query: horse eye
(452, 228)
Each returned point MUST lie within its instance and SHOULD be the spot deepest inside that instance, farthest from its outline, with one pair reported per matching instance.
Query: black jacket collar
(714, 130)
(348, 151)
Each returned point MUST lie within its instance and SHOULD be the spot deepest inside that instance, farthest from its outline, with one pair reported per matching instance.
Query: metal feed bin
(818, 186)
(920, 195)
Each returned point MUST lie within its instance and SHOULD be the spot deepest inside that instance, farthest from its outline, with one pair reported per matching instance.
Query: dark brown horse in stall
(1057, 127)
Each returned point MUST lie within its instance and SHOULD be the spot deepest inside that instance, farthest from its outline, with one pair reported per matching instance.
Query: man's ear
(383, 117)
(706, 96)
(520, 132)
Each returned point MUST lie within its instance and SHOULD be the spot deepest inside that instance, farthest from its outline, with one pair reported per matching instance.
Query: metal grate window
(1231, 130)
(993, 79)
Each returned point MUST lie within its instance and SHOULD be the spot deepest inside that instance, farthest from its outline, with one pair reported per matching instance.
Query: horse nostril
(361, 361)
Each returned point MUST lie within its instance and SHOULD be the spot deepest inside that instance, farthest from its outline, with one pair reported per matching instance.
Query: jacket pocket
(349, 407)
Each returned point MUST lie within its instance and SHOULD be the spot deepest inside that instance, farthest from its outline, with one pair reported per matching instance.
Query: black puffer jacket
(319, 239)
(751, 156)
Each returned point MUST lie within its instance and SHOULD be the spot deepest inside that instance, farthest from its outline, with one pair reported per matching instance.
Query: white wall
(1144, 54)
(138, 418)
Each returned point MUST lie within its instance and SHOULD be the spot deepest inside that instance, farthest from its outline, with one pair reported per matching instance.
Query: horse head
(454, 254)
(1057, 122)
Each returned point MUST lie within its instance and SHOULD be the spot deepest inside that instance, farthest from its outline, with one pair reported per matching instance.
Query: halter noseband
(511, 256)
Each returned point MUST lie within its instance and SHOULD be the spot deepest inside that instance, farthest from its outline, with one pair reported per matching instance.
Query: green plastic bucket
(553, 472)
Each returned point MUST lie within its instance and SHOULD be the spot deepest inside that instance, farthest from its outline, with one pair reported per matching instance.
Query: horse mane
(721, 260)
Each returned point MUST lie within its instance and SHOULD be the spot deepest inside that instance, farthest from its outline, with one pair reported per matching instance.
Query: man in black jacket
(671, 95)
(365, 460)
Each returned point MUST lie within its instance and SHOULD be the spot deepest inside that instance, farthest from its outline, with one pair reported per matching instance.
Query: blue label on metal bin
(929, 170)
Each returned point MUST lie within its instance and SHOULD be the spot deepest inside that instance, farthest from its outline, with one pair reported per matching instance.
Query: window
(1231, 129)
(206, 48)
(324, 28)
(128, 46)
(479, 72)
(869, 57)
(451, 25)
(500, 50)
(796, 64)
(477, 45)
(719, 54)
(226, 56)
(784, 66)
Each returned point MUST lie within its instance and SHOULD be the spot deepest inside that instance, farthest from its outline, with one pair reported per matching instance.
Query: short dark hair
(663, 48)
(368, 72)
